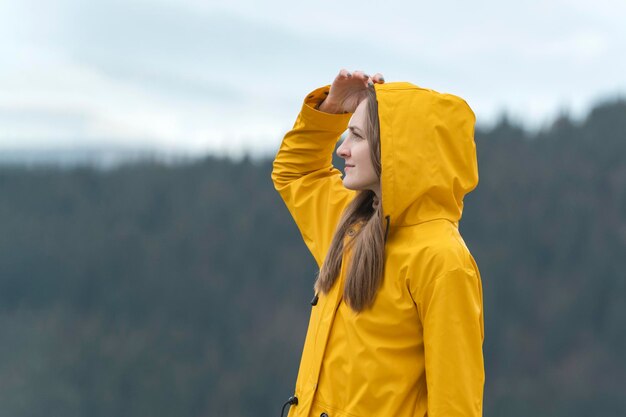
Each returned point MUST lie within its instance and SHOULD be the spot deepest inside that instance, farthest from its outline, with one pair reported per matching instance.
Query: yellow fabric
(418, 350)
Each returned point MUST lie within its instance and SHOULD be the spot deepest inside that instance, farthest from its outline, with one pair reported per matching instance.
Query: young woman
(396, 326)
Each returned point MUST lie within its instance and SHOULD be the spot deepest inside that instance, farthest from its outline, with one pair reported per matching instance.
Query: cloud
(202, 76)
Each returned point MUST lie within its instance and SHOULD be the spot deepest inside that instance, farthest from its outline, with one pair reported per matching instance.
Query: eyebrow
(356, 130)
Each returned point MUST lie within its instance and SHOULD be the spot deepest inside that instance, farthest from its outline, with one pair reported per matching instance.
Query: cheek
(363, 151)
(366, 159)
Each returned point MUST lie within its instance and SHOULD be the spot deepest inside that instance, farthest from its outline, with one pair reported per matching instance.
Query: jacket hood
(428, 153)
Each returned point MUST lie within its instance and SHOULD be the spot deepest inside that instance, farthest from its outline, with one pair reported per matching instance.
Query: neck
(377, 192)
(375, 201)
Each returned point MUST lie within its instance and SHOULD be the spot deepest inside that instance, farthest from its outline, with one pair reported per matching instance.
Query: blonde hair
(365, 271)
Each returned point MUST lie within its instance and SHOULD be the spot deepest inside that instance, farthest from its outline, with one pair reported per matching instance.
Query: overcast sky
(198, 77)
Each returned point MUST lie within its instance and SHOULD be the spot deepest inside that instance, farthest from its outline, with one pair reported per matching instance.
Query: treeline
(151, 290)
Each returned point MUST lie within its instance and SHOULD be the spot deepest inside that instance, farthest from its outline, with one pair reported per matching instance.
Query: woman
(396, 326)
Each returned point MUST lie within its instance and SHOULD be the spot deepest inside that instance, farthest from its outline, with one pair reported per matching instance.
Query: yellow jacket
(418, 350)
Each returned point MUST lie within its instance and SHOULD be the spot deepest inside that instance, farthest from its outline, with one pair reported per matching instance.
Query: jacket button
(323, 415)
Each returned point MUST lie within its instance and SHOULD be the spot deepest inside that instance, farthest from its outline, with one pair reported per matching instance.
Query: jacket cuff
(326, 121)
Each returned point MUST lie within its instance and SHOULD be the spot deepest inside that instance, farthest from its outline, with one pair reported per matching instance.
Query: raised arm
(303, 173)
(304, 176)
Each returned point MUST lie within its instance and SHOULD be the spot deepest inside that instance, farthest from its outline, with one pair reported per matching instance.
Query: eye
(357, 137)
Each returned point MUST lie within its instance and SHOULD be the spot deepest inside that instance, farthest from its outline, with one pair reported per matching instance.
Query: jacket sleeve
(304, 176)
(452, 316)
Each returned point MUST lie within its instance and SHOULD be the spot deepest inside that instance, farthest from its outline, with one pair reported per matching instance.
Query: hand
(348, 90)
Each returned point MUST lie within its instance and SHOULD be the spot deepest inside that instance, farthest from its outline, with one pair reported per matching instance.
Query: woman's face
(355, 150)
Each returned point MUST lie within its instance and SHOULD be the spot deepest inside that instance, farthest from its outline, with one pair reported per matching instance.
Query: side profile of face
(355, 150)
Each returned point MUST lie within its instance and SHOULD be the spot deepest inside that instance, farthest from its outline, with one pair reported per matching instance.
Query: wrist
(329, 107)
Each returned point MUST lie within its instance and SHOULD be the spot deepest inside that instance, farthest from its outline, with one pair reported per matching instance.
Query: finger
(344, 73)
(378, 78)
(361, 75)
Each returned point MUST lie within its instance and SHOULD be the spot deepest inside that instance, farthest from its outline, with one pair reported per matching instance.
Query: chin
(350, 186)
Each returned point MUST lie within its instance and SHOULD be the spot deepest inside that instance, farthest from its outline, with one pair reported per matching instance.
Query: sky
(227, 78)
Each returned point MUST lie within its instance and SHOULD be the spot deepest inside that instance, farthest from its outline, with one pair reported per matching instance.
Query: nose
(342, 150)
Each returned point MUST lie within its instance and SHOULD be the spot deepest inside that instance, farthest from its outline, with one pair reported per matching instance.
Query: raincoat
(418, 350)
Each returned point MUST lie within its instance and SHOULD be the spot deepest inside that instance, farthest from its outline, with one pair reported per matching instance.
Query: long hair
(366, 261)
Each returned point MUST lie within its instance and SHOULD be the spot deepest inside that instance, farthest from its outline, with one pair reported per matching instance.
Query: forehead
(359, 114)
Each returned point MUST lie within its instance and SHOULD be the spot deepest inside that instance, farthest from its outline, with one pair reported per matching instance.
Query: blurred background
(149, 268)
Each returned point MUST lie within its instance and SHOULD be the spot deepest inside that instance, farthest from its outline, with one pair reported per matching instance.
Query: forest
(159, 290)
